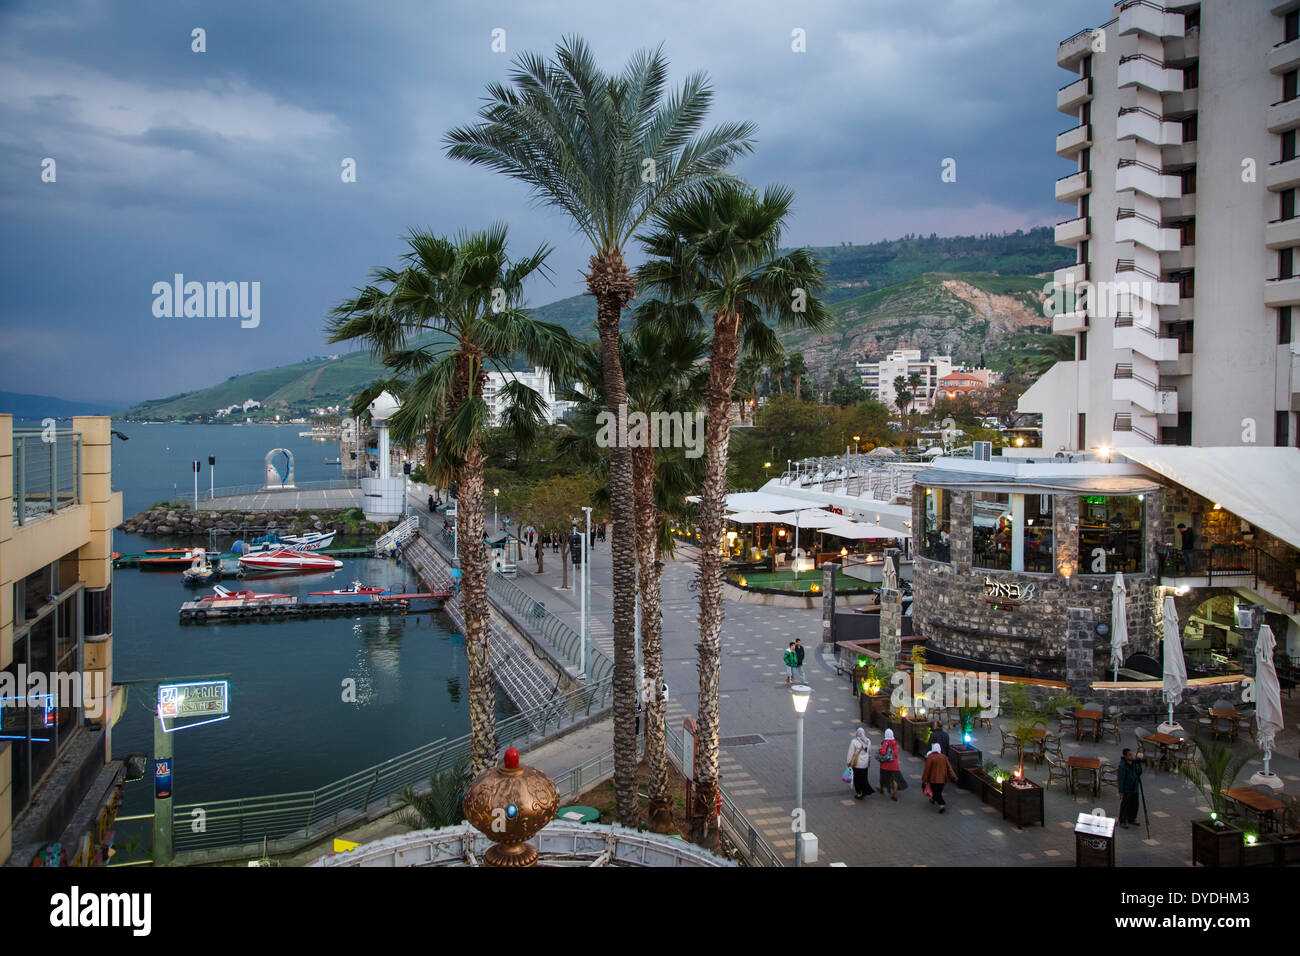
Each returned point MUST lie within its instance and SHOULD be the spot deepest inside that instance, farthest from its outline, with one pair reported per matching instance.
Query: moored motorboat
(357, 588)
(201, 570)
(167, 558)
(220, 593)
(287, 560)
(312, 541)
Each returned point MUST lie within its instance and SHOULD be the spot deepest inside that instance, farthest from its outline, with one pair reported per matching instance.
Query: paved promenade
(327, 499)
(875, 831)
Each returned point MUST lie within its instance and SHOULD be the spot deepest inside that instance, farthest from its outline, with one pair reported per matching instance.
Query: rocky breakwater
(168, 521)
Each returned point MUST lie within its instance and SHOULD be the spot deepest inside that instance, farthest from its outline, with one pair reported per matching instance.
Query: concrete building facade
(1184, 227)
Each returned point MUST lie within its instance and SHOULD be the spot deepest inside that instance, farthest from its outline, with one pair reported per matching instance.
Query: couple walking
(937, 772)
(793, 658)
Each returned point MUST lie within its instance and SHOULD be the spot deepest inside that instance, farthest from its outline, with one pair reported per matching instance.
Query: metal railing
(299, 818)
(736, 826)
(1123, 422)
(229, 490)
(1129, 265)
(47, 473)
(1220, 562)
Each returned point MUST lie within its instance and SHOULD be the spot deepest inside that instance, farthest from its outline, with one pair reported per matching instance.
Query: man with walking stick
(1130, 785)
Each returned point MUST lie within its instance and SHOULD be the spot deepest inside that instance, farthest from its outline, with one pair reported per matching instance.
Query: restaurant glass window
(36, 590)
(1110, 533)
(991, 523)
(1037, 549)
(99, 611)
(14, 731)
(935, 543)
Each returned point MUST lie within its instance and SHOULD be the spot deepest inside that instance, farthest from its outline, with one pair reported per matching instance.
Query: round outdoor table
(578, 814)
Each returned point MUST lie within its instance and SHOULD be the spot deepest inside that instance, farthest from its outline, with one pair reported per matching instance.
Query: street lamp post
(856, 439)
(799, 693)
(212, 471)
(496, 515)
(406, 476)
(586, 582)
(197, 465)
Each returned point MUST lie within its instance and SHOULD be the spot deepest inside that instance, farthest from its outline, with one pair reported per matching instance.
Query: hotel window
(1291, 26)
(1110, 534)
(991, 530)
(1081, 353)
(1187, 284)
(1285, 262)
(1083, 251)
(1187, 232)
(1190, 127)
(1284, 325)
(1282, 429)
(1036, 552)
(1082, 435)
(1288, 146)
(1288, 86)
(935, 544)
(1085, 68)
(1188, 181)
(1287, 197)
(1192, 76)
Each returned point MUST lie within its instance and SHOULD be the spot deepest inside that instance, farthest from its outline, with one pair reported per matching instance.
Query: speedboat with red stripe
(288, 560)
(225, 594)
(357, 588)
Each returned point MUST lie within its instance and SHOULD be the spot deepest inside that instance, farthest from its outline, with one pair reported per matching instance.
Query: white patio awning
(755, 517)
(810, 519)
(857, 531)
(1255, 483)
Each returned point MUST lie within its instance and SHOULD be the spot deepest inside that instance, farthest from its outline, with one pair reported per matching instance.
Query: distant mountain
(973, 297)
(20, 405)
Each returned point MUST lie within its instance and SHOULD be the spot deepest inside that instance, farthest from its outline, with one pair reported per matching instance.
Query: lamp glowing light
(800, 694)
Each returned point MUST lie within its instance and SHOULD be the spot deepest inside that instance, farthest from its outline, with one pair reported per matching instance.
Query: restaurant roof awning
(1021, 484)
(740, 501)
(810, 519)
(1257, 484)
(857, 531)
(754, 517)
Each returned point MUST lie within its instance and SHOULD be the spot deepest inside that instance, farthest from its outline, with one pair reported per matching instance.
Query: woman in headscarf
(860, 762)
(889, 768)
(938, 771)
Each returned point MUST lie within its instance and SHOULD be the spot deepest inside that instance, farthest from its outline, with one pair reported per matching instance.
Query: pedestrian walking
(798, 653)
(937, 772)
(890, 772)
(1130, 782)
(791, 662)
(431, 506)
(859, 761)
(939, 736)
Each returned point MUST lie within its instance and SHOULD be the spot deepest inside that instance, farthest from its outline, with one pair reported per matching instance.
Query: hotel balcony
(47, 475)
(1144, 340)
(1135, 388)
(1178, 207)
(1284, 57)
(1131, 226)
(1074, 185)
(1181, 104)
(1067, 322)
(1072, 95)
(1138, 122)
(1295, 377)
(1146, 179)
(1183, 49)
(1142, 16)
(1135, 433)
(1282, 233)
(1283, 174)
(1176, 260)
(1280, 292)
(1073, 231)
(1139, 69)
(1073, 140)
(1283, 115)
(1071, 275)
(1179, 155)
(1146, 285)
(1074, 48)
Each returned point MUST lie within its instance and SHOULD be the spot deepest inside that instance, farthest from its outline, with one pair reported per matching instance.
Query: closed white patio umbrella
(1268, 705)
(1175, 676)
(1118, 624)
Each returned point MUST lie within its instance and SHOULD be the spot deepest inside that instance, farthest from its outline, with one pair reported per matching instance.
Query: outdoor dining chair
(1203, 719)
(1184, 757)
(1141, 751)
(1109, 774)
(1110, 723)
(1009, 742)
(1057, 769)
(1065, 719)
(1052, 746)
(1246, 720)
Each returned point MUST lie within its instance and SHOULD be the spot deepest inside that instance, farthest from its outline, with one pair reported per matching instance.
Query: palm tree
(797, 369)
(914, 385)
(452, 309)
(659, 359)
(611, 151)
(721, 253)
(747, 375)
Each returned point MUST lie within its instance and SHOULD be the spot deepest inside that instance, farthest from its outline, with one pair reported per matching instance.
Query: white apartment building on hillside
(1184, 227)
(879, 376)
(537, 380)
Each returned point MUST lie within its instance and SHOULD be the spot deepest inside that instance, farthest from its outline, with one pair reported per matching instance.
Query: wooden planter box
(1023, 806)
(875, 710)
(896, 725)
(986, 788)
(1216, 846)
(912, 728)
(1273, 849)
(964, 760)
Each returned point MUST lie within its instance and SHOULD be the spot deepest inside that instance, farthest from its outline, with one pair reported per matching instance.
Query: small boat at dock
(287, 560)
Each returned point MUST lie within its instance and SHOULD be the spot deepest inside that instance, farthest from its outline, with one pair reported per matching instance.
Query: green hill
(976, 298)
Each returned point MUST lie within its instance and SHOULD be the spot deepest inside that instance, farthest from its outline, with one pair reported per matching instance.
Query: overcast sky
(225, 165)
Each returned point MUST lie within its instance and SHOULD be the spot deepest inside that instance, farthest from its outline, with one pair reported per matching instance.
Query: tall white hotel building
(1182, 132)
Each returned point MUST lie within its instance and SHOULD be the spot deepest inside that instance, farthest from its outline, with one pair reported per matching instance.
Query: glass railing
(47, 473)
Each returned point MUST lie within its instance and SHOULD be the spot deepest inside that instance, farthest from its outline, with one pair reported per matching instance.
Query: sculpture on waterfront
(282, 476)
(509, 804)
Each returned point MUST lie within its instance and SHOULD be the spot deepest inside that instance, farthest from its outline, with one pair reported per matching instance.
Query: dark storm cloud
(225, 165)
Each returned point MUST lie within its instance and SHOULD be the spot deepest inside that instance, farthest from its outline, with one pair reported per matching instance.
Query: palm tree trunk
(650, 573)
(474, 602)
(613, 286)
(723, 352)
(798, 386)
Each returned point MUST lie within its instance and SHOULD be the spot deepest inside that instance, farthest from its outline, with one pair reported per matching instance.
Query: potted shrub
(1022, 801)
(987, 782)
(1215, 842)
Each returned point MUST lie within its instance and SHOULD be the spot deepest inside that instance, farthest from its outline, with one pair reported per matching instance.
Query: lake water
(290, 728)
